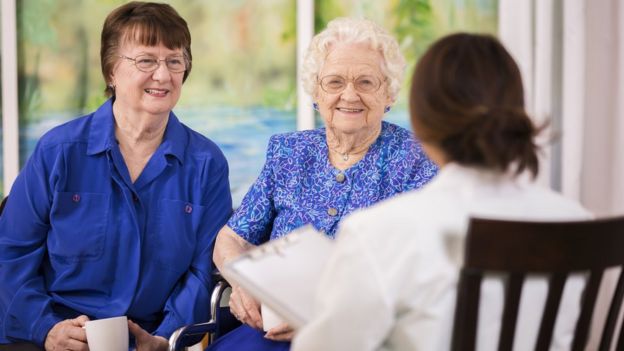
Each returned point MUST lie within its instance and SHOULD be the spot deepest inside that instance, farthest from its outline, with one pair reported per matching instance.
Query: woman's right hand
(245, 308)
(68, 335)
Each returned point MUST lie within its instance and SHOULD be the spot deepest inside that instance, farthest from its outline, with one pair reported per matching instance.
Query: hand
(68, 335)
(146, 341)
(282, 332)
(245, 308)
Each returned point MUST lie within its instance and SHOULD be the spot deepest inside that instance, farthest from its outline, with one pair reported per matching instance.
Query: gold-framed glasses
(334, 84)
(150, 63)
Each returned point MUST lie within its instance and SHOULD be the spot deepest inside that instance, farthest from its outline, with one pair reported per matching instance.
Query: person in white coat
(391, 282)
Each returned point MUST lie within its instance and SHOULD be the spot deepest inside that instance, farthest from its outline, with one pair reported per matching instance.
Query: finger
(76, 333)
(80, 321)
(136, 330)
(252, 310)
(282, 337)
(236, 309)
(279, 329)
(73, 344)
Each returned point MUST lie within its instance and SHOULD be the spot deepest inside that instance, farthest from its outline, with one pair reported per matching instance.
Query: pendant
(345, 157)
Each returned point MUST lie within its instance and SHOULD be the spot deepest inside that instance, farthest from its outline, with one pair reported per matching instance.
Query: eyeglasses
(149, 63)
(334, 84)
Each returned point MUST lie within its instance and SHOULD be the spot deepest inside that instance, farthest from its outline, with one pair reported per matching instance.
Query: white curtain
(601, 182)
(571, 54)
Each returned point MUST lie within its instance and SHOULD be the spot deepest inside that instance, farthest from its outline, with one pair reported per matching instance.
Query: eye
(333, 82)
(175, 61)
(366, 82)
(146, 60)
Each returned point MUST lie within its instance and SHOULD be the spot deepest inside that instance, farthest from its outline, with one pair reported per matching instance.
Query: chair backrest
(555, 249)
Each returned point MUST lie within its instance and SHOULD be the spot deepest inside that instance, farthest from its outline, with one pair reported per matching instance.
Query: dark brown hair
(145, 23)
(467, 98)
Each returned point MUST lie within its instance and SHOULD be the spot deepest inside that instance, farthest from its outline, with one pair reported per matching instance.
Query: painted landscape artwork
(242, 88)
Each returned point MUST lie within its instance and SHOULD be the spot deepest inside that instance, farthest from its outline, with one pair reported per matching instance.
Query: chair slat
(556, 284)
(510, 313)
(589, 302)
(612, 317)
(467, 312)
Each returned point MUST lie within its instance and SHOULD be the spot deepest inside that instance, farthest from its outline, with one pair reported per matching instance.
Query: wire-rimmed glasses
(334, 84)
(150, 63)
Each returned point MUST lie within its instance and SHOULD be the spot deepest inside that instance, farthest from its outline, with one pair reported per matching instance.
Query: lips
(349, 110)
(157, 92)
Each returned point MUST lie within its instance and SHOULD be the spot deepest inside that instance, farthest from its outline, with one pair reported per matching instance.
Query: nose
(162, 72)
(349, 93)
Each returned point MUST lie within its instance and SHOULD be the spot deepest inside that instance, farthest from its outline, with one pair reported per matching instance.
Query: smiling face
(351, 111)
(138, 92)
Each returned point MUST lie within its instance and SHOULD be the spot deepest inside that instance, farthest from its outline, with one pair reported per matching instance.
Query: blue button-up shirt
(298, 185)
(78, 237)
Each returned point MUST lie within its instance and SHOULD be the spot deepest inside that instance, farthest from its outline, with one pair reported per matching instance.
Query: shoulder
(394, 134)
(201, 146)
(548, 203)
(399, 139)
(302, 137)
(73, 131)
(399, 211)
(290, 143)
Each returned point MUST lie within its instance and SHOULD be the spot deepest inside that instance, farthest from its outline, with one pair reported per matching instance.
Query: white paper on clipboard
(284, 273)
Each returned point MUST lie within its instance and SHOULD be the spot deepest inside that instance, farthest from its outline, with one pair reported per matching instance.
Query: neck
(138, 130)
(350, 145)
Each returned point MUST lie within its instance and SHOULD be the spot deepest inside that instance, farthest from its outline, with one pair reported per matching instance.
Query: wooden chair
(552, 248)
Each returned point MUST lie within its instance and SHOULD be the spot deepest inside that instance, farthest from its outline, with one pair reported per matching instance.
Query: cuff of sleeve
(42, 328)
(167, 327)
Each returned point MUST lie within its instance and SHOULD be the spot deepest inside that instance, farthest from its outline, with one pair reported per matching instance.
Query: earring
(315, 106)
(386, 109)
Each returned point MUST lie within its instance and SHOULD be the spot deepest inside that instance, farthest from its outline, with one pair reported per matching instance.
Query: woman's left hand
(146, 341)
(282, 332)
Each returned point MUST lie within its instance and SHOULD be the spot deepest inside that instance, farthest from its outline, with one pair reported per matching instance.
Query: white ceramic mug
(270, 319)
(109, 334)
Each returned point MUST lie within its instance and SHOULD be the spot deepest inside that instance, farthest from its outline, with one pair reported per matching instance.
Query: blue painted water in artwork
(242, 134)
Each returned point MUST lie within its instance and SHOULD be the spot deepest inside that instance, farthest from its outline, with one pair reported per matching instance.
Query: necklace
(345, 155)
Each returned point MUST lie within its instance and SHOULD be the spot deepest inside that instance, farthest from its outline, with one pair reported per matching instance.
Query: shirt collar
(102, 133)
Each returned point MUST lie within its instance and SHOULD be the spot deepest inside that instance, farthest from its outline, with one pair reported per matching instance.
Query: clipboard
(284, 273)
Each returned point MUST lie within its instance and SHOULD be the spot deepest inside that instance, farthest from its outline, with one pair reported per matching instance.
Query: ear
(316, 97)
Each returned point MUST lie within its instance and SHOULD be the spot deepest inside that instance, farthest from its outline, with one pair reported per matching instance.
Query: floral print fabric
(299, 186)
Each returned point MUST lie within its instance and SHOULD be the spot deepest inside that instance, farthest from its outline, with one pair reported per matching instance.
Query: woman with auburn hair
(116, 212)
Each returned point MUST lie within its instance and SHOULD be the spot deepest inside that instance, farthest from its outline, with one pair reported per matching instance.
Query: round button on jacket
(340, 177)
(332, 211)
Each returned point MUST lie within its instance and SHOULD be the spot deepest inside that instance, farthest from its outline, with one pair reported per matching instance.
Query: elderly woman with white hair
(353, 70)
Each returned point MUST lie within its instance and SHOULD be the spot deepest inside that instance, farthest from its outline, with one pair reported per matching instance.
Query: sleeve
(25, 306)
(189, 299)
(345, 318)
(253, 220)
(423, 169)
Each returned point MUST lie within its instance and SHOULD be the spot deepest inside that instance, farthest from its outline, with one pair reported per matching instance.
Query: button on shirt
(298, 185)
(78, 237)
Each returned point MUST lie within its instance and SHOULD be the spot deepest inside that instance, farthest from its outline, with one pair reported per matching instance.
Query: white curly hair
(354, 31)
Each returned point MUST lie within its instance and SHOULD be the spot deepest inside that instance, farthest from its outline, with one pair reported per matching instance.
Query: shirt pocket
(78, 225)
(176, 234)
